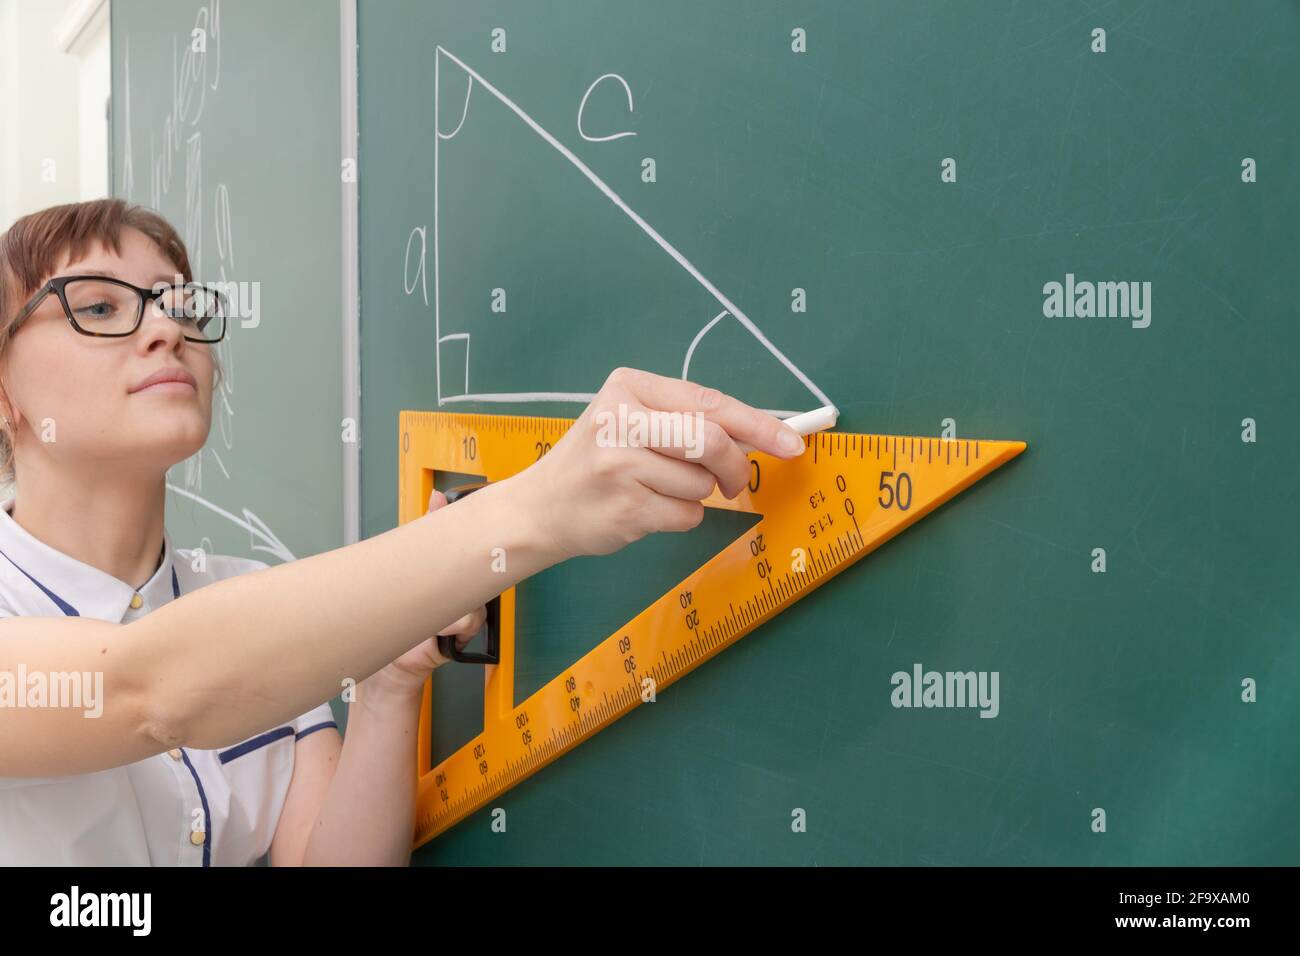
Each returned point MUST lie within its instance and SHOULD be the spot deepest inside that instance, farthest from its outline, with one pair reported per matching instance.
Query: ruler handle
(447, 642)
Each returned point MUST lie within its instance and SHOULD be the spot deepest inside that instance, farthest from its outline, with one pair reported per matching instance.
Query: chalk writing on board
(475, 81)
(224, 411)
(686, 364)
(195, 75)
(409, 281)
(583, 105)
(261, 537)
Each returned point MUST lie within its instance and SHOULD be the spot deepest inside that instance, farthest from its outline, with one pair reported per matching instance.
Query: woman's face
(76, 400)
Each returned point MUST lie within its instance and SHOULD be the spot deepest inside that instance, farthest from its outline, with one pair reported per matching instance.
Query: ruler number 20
(756, 547)
(686, 599)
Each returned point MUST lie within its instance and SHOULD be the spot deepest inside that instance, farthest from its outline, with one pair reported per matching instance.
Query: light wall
(54, 87)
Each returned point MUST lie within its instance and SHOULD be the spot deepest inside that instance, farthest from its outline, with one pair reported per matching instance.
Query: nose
(157, 326)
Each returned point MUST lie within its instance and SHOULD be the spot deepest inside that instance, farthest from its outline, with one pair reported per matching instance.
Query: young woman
(212, 743)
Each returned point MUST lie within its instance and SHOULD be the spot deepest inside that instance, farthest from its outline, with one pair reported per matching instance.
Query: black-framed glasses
(112, 308)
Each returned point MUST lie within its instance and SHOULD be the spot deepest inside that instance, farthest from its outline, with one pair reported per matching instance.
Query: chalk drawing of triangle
(716, 310)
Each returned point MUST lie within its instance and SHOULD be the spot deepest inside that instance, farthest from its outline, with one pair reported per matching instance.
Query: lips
(177, 376)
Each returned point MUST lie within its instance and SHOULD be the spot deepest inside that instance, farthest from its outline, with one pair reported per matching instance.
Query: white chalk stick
(819, 419)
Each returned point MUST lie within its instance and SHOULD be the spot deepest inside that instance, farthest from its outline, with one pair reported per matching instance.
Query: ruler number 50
(897, 493)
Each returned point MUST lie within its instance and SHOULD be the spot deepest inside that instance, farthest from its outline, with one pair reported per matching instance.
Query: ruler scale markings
(498, 758)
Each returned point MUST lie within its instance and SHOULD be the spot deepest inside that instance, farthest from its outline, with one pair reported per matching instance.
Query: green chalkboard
(923, 171)
(226, 119)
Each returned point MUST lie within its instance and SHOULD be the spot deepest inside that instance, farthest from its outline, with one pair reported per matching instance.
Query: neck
(114, 524)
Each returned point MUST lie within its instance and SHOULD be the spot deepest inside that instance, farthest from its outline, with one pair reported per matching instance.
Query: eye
(97, 310)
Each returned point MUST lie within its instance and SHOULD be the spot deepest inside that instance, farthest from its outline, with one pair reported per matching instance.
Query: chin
(174, 440)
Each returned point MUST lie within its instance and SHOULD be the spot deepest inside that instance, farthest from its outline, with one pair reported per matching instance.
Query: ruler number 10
(756, 547)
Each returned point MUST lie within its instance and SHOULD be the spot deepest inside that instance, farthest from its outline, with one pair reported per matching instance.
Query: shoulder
(215, 567)
(19, 595)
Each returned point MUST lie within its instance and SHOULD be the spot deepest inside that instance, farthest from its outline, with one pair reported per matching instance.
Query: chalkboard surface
(874, 201)
(226, 119)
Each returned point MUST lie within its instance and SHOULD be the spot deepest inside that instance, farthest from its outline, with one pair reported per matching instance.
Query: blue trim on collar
(207, 816)
(315, 727)
(255, 743)
(67, 609)
(64, 606)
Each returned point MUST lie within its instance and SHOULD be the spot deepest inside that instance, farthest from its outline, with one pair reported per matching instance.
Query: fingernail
(790, 440)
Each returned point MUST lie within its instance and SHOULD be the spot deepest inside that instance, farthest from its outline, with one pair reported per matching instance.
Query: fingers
(640, 459)
(462, 631)
(674, 514)
(439, 657)
(741, 422)
(678, 479)
(714, 450)
(436, 654)
(436, 501)
(467, 626)
(702, 444)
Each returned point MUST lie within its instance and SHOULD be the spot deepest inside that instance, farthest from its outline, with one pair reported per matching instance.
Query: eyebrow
(161, 277)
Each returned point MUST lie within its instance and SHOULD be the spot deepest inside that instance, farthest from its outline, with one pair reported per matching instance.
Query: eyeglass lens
(109, 308)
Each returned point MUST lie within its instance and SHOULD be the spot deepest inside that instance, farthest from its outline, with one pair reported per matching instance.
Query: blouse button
(136, 600)
(197, 837)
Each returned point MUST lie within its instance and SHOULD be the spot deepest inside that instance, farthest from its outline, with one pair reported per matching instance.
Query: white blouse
(185, 807)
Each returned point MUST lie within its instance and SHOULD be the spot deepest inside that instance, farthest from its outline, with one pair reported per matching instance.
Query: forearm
(368, 815)
(277, 642)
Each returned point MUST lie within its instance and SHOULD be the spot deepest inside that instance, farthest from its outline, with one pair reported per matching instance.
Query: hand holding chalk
(605, 484)
(819, 419)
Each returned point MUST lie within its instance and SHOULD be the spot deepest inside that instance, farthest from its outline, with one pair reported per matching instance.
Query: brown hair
(32, 248)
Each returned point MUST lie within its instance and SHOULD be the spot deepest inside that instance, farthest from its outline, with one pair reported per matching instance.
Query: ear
(10, 413)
